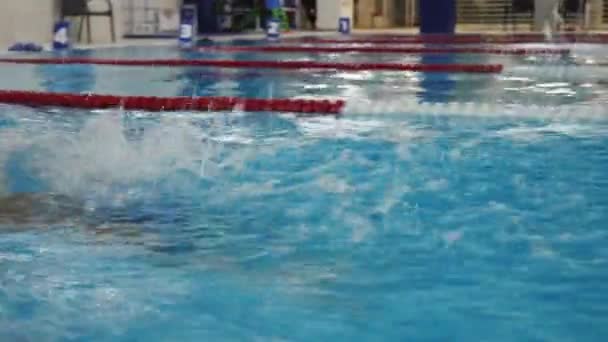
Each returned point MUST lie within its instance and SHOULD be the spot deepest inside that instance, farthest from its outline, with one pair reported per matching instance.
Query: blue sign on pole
(344, 25)
(187, 27)
(61, 39)
(273, 25)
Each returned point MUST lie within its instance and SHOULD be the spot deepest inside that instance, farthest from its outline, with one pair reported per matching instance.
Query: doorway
(399, 13)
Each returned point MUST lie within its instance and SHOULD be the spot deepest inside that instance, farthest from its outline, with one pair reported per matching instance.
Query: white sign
(185, 31)
(61, 36)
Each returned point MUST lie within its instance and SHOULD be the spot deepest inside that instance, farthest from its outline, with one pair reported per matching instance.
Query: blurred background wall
(32, 20)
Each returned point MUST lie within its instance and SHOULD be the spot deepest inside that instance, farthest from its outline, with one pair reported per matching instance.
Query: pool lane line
(519, 38)
(447, 41)
(294, 65)
(170, 104)
(451, 41)
(387, 50)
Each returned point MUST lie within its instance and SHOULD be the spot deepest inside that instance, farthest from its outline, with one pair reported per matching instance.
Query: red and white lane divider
(296, 65)
(157, 104)
(461, 39)
(401, 50)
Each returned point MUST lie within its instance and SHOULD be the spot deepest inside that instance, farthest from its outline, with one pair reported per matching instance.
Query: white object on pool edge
(274, 29)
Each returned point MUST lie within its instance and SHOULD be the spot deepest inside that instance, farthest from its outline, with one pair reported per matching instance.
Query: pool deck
(123, 42)
(220, 38)
(300, 34)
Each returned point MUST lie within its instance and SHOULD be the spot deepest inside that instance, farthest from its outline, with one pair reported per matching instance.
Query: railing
(511, 14)
(519, 14)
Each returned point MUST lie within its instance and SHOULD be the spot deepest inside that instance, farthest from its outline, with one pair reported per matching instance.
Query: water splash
(123, 155)
(100, 156)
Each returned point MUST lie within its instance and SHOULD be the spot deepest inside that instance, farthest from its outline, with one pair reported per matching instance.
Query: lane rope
(178, 103)
(367, 107)
(300, 105)
(296, 65)
(461, 39)
(401, 50)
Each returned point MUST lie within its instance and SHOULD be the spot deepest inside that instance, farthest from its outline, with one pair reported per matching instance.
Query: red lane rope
(461, 39)
(426, 41)
(445, 41)
(156, 104)
(469, 68)
(405, 50)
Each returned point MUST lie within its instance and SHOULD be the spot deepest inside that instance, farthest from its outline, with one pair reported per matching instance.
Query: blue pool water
(437, 208)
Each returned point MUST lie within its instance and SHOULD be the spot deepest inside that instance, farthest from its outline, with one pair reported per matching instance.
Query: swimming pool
(460, 207)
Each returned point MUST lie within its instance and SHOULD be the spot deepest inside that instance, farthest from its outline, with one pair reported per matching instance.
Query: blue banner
(273, 4)
(438, 16)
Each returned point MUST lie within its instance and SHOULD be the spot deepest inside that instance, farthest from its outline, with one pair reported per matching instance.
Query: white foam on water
(99, 158)
(331, 127)
(436, 184)
(101, 154)
(254, 189)
(515, 78)
(527, 134)
(315, 86)
(355, 76)
(561, 91)
(553, 85)
(403, 151)
(455, 154)
(451, 237)
(333, 184)
(15, 257)
(404, 133)
(534, 133)
(497, 206)
(392, 198)
(360, 128)
(543, 250)
(572, 73)
(359, 227)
